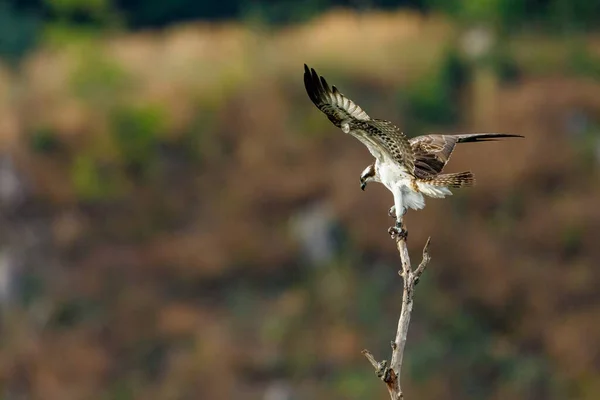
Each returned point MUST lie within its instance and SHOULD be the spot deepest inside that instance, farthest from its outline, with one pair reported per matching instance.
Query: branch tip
(424, 261)
(426, 248)
(371, 359)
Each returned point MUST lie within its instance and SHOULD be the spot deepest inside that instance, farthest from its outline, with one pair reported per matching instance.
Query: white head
(368, 175)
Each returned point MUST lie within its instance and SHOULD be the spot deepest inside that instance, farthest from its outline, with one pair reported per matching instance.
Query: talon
(398, 232)
(403, 234)
(392, 212)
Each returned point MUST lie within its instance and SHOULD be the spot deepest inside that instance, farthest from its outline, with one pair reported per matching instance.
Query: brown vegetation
(165, 173)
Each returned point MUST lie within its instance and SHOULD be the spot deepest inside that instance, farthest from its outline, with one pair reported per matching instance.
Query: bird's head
(367, 175)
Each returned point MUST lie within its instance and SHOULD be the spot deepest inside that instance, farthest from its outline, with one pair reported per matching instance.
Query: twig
(391, 375)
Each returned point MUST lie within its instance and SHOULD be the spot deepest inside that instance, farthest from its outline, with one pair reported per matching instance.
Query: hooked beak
(363, 184)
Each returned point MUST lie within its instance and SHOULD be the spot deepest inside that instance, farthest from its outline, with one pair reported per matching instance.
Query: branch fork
(391, 374)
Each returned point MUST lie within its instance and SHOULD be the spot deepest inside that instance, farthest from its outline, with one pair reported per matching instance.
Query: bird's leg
(398, 229)
(392, 212)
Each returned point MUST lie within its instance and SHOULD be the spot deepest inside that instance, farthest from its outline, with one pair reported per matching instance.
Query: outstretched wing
(389, 138)
(380, 136)
(432, 152)
(331, 101)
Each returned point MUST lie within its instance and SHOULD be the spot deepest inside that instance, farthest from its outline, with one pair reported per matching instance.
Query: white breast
(392, 175)
(400, 183)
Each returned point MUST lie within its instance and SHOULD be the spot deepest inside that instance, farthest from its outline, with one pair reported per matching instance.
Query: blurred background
(178, 221)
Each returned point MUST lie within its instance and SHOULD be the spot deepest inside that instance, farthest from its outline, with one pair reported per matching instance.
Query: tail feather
(454, 180)
(484, 137)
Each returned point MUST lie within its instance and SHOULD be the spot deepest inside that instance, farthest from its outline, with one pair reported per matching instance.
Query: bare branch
(425, 260)
(391, 375)
(371, 359)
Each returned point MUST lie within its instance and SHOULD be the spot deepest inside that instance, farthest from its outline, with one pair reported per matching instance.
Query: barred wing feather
(379, 136)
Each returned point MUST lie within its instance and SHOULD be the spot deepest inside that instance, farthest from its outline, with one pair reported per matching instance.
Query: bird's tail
(455, 180)
(484, 137)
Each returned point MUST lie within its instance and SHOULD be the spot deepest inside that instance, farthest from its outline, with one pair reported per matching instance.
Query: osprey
(409, 168)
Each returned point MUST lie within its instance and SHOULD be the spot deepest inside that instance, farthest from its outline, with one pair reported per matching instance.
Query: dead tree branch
(391, 374)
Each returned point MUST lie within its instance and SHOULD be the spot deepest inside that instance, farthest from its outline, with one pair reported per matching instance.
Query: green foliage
(572, 239)
(150, 353)
(571, 55)
(135, 137)
(573, 15)
(505, 66)
(282, 12)
(72, 312)
(18, 32)
(122, 390)
(93, 181)
(44, 141)
(431, 100)
(75, 15)
(97, 78)
(351, 384)
(463, 349)
(500, 13)
(65, 21)
(371, 295)
(31, 287)
(582, 62)
(67, 7)
(64, 35)
(123, 140)
(508, 15)
(136, 131)
(194, 141)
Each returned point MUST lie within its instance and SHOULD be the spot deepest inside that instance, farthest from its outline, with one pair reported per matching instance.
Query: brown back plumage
(432, 152)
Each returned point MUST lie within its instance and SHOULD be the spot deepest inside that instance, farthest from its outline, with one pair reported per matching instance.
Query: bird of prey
(409, 168)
